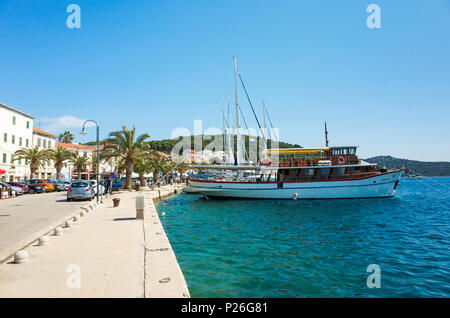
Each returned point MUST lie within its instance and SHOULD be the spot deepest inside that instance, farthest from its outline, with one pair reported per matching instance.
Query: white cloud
(58, 124)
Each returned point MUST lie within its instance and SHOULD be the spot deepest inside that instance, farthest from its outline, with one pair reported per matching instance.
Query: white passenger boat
(298, 175)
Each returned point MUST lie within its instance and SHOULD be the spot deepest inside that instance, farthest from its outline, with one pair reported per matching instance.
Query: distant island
(425, 168)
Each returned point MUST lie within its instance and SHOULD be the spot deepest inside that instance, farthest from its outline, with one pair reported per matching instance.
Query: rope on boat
(434, 188)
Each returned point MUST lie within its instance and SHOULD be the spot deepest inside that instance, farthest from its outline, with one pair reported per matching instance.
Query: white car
(94, 186)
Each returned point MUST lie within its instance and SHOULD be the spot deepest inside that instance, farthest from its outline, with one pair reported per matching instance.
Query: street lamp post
(98, 152)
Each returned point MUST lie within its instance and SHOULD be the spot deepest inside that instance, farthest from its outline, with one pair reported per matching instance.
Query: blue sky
(162, 64)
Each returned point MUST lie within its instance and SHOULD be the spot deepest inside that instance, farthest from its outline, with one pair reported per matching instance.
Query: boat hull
(379, 186)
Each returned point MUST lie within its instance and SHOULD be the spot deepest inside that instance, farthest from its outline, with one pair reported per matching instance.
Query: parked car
(67, 183)
(59, 186)
(24, 186)
(94, 185)
(49, 187)
(80, 190)
(32, 188)
(18, 190)
(116, 184)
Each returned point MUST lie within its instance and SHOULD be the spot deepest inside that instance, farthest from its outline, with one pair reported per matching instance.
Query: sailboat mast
(238, 124)
(264, 130)
(326, 135)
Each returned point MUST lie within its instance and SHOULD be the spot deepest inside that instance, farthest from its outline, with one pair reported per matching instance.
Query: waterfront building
(15, 132)
(44, 140)
(69, 171)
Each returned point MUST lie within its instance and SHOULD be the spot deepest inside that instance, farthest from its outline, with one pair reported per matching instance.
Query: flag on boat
(251, 140)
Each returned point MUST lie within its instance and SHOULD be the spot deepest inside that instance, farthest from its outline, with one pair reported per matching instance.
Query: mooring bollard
(43, 240)
(295, 196)
(140, 207)
(58, 231)
(76, 218)
(68, 224)
(82, 213)
(20, 257)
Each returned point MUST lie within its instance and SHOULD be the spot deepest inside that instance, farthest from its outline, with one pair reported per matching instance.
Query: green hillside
(424, 168)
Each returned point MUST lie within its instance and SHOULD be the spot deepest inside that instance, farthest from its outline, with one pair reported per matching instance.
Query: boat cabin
(304, 157)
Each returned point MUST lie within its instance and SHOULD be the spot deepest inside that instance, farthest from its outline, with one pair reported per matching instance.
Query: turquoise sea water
(314, 248)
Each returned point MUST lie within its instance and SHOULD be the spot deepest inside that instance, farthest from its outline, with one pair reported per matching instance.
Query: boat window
(345, 151)
(325, 171)
(340, 171)
(309, 172)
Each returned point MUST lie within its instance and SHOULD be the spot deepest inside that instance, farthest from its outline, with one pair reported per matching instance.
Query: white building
(69, 171)
(44, 140)
(15, 132)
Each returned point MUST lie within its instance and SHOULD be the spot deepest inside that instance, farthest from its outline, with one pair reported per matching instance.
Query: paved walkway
(107, 253)
(23, 216)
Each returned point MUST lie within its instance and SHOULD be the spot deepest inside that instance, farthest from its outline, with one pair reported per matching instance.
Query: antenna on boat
(326, 135)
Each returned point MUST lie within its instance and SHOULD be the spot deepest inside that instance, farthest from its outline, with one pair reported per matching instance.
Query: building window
(14, 120)
(4, 158)
(20, 141)
(44, 143)
(39, 142)
(49, 144)
(26, 142)
(13, 139)
(20, 161)
(5, 137)
(28, 124)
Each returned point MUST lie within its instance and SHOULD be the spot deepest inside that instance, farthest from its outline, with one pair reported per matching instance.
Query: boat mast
(224, 136)
(264, 132)
(326, 135)
(238, 125)
(228, 149)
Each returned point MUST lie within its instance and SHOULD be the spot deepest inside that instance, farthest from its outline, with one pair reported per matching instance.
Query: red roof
(76, 146)
(42, 132)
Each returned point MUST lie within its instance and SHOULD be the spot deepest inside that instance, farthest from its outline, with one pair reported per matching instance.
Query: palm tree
(120, 163)
(66, 137)
(79, 162)
(123, 144)
(157, 162)
(33, 157)
(142, 166)
(92, 163)
(59, 155)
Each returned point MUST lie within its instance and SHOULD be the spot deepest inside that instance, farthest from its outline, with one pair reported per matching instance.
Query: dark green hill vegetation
(166, 145)
(425, 168)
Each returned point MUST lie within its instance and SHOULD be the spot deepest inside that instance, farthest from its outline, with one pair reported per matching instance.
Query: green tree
(123, 144)
(79, 162)
(157, 162)
(92, 162)
(142, 166)
(59, 155)
(33, 157)
(66, 137)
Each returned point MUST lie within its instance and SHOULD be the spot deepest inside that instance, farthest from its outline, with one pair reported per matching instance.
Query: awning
(2, 171)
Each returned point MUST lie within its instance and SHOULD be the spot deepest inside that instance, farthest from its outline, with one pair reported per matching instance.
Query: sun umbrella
(2, 171)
